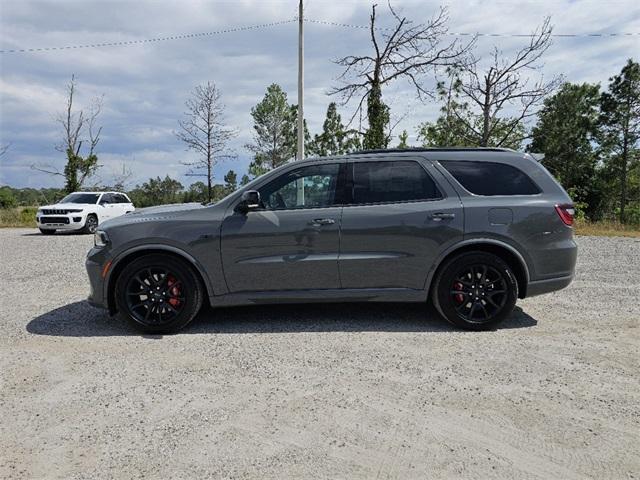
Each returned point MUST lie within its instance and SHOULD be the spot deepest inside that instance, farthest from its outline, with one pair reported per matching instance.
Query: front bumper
(70, 221)
(94, 265)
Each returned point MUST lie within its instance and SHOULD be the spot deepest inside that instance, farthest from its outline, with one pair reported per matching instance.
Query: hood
(172, 207)
(67, 206)
(149, 214)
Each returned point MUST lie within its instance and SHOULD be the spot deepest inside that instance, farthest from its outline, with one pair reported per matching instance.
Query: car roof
(444, 153)
(98, 193)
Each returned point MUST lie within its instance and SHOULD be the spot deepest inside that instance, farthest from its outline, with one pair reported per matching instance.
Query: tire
(175, 301)
(481, 304)
(90, 224)
(45, 231)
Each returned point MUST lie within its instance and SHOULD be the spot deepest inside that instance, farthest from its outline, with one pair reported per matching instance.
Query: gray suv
(471, 230)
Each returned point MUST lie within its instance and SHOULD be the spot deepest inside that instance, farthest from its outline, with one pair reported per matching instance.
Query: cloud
(145, 86)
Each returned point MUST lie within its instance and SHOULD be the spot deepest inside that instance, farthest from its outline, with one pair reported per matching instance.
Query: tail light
(566, 213)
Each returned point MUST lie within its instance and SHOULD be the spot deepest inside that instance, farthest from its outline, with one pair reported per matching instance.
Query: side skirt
(320, 296)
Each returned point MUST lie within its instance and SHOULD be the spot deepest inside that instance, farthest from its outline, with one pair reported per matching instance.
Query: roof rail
(432, 149)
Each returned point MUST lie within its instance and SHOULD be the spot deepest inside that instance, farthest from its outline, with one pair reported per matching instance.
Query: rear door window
(491, 179)
(392, 181)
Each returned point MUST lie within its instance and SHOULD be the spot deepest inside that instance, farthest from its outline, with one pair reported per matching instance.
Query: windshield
(81, 198)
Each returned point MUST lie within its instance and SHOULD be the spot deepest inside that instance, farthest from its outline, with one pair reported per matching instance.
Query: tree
(231, 181)
(7, 199)
(203, 130)
(407, 52)
(403, 137)
(620, 126)
(274, 131)
(506, 84)
(566, 132)
(335, 139)
(157, 191)
(75, 126)
(245, 179)
(452, 127)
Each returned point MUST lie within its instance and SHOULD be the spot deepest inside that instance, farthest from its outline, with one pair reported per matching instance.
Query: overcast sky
(145, 86)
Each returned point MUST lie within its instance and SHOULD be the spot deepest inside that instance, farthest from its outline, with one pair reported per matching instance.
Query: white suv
(82, 211)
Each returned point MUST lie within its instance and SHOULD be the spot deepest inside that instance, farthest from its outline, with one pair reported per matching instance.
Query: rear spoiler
(538, 157)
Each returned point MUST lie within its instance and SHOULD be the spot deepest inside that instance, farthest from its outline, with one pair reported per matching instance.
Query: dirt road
(341, 391)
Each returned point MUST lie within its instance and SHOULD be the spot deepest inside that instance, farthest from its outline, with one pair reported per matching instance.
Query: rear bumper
(548, 285)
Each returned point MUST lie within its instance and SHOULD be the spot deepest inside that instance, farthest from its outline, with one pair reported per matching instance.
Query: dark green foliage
(403, 138)
(458, 126)
(274, 124)
(231, 181)
(158, 191)
(245, 179)
(378, 115)
(7, 199)
(620, 136)
(77, 169)
(566, 133)
(335, 139)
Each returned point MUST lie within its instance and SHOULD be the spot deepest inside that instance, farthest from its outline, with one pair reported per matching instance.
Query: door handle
(439, 216)
(322, 221)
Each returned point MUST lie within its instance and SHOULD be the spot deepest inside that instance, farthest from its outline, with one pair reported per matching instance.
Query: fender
(156, 246)
(475, 241)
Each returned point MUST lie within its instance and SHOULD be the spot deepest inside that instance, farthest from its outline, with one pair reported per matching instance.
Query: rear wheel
(90, 224)
(158, 294)
(475, 290)
(46, 231)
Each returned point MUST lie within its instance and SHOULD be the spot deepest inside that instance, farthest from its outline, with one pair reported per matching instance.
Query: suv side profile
(471, 230)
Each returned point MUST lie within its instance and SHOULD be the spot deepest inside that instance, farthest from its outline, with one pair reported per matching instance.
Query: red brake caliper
(458, 296)
(174, 292)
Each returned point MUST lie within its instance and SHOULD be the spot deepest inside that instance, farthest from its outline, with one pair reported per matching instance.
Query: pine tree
(335, 139)
(566, 132)
(620, 126)
(274, 131)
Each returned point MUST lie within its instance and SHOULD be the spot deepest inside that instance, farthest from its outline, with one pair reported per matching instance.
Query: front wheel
(475, 290)
(90, 224)
(158, 294)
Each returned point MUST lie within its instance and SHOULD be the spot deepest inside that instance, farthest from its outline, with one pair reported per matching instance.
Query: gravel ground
(338, 391)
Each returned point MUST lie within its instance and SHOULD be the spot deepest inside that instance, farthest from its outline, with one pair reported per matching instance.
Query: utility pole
(300, 155)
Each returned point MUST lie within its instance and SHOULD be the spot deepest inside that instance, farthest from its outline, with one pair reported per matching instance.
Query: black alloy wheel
(475, 290)
(158, 293)
(155, 296)
(479, 293)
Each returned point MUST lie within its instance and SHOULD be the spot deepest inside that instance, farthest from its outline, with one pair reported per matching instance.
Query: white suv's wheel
(91, 224)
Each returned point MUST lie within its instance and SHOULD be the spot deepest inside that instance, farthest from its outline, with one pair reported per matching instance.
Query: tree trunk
(486, 113)
(376, 113)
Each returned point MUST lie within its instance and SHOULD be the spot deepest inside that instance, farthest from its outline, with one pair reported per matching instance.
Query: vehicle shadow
(69, 233)
(81, 320)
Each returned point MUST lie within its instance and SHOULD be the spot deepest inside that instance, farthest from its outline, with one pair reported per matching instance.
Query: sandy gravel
(342, 391)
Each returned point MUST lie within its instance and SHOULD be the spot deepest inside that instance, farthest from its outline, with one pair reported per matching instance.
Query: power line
(150, 40)
(467, 34)
(306, 20)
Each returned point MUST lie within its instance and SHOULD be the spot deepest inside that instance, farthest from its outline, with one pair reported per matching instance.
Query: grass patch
(18, 217)
(606, 229)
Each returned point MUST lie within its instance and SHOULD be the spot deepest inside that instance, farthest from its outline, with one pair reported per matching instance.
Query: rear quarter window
(491, 179)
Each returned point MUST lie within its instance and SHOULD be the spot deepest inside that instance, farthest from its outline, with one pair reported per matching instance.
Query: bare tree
(407, 51)
(75, 125)
(4, 148)
(203, 130)
(506, 84)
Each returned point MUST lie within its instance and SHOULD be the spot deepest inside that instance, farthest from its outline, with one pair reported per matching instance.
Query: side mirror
(250, 201)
